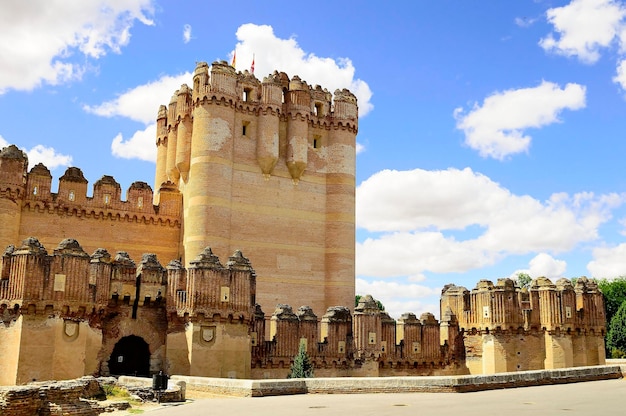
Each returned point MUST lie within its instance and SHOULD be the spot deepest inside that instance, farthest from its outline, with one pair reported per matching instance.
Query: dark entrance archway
(130, 357)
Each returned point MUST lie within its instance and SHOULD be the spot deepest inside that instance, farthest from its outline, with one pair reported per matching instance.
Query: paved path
(591, 398)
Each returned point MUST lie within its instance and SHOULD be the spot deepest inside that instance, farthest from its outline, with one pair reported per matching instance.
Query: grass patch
(115, 392)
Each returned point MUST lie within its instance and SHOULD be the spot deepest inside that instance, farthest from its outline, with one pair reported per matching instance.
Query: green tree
(616, 336)
(302, 366)
(614, 292)
(524, 279)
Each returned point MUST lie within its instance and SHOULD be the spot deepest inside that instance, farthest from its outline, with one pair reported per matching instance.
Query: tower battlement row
(284, 118)
(560, 306)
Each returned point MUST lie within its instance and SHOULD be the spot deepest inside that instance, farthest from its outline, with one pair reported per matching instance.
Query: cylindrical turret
(183, 142)
(298, 112)
(268, 123)
(201, 84)
(172, 139)
(13, 167)
(161, 143)
(207, 202)
(340, 188)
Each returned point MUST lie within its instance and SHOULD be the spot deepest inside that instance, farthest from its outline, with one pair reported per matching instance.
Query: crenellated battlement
(545, 326)
(543, 305)
(27, 204)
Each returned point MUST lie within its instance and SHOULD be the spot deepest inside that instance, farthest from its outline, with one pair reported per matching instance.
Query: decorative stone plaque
(59, 283)
(70, 329)
(224, 293)
(207, 333)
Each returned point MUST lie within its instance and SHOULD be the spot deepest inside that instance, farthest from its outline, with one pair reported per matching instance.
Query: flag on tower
(252, 66)
(234, 62)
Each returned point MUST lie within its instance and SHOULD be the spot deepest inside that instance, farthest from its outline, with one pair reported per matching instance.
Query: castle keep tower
(267, 167)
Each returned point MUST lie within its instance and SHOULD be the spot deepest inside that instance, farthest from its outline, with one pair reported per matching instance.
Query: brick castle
(267, 168)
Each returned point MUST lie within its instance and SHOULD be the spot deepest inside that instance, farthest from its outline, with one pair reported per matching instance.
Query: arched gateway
(130, 356)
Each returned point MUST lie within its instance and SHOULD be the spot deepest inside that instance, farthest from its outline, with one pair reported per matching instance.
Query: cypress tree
(302, 366)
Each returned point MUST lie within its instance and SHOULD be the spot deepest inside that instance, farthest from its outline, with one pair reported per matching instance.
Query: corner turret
(13, 166)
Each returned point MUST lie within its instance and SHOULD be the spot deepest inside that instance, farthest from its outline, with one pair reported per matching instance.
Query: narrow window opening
(71, 196)
(244, 128)
(140, 202)
(107, 199)
(318, 109)
(247, 92)
(317, 142)
(35, 190)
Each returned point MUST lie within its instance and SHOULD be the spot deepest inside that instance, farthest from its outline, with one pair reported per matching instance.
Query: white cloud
(459, 220)
(186, 33)
(139, 146)
(583, 27)
(42, 154)
(496, 129)
(399, 298)
(48, 156)
(142, 102)
(525, 21)
(273, 53)
(360, 148)
(620, 76)
(46, 34)
(608, 262)
(544, 265)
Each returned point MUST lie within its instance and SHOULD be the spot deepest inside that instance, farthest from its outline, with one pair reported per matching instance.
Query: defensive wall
(69, 314)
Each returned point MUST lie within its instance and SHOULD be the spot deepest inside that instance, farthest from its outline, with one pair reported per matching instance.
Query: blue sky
(491, 133)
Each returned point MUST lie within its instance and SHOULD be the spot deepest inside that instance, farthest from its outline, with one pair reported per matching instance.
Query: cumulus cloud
(47, 35)
(497, 128)
(48, 156)
(186, 33)
(142, 102)
(139, 146)
(544, 265)
(583, 27)
(399, 298)
(42, 154)
(420, 216)
(271, 52)
(608, 262)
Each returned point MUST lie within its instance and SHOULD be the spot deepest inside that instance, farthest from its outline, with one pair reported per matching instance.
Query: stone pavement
(607, 397)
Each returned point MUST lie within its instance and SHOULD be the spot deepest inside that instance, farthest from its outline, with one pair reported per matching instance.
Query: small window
(317, 142)
(247, 93)
(71, 196)
(244, 128)
(35, 190)
(318, 109)
(140, 202)
(107, 199)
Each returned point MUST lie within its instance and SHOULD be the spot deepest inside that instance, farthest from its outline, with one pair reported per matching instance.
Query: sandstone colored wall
(10, 335)
(219, 350)
(107, 229)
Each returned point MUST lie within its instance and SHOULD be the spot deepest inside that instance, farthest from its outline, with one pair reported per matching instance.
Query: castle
(267, 168)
